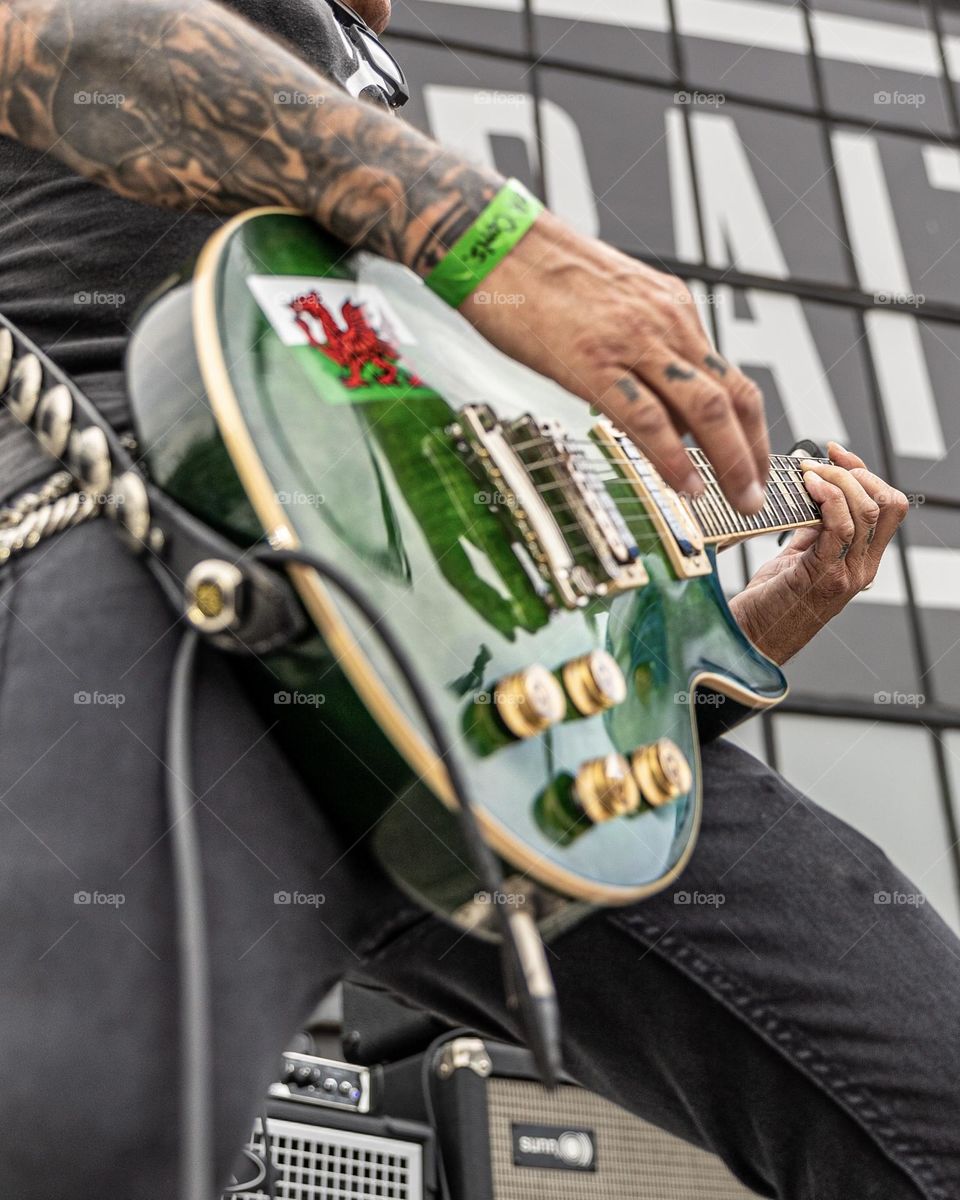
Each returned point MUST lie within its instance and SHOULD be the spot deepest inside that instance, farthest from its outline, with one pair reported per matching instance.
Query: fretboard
(788, 505)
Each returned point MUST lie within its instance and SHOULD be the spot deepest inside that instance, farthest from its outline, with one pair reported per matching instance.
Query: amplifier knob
(605, 788)
(594, 682)
(662, 772)
(530, 701)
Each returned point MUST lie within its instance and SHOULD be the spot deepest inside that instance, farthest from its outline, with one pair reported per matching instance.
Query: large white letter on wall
(467, 118)
(736, 225)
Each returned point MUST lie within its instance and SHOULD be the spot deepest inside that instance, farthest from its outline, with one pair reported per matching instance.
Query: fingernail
(808, 464)
(693, 485)
(837, 446)
(752, 499)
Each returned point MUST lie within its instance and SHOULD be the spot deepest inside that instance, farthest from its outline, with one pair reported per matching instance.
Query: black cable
(197, 1170)
(526, 971)
(525, 968)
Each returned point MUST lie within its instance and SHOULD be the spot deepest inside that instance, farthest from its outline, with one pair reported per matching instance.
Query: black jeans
(780, 1018)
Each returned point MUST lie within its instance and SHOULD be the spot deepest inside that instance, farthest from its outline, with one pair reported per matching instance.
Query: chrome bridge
(547, 487)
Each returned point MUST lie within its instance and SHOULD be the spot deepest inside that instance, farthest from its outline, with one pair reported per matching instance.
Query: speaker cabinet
(502, 1136)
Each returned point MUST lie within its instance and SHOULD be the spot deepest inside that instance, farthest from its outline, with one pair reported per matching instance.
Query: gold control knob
(662, 772)
(594, 682)
(605, 788)
(530, 701)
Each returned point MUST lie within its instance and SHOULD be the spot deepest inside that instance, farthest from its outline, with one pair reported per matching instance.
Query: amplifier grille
(635, 1160)
(314, 1163)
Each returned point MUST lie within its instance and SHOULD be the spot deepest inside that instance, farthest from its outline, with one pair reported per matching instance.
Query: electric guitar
(560, 603)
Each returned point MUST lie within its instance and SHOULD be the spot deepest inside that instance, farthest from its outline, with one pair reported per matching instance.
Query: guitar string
(778, 505)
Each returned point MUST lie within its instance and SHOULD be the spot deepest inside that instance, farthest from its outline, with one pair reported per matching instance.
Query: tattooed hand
(627, 338)
(822, 569)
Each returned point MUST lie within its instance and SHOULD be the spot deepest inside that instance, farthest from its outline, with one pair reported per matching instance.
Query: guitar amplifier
(503, 1136)
(321, 1153)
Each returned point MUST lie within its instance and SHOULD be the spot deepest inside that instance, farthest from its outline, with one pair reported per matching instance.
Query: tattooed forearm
(183, 106)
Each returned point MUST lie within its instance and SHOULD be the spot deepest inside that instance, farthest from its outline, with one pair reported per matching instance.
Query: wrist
(487, 242)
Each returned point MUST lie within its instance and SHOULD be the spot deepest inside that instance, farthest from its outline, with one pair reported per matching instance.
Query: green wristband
(502, 224)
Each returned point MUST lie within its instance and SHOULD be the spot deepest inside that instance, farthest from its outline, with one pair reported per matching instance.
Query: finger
(837, 533)
(862, 507)
(844, 457)
(893, 507)
(701, 404)
(747, 402)
(640, 412)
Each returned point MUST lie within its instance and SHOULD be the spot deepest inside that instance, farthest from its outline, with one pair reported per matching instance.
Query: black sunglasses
(373, 53)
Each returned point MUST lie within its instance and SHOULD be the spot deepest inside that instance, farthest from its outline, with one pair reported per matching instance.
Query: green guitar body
(355, 437)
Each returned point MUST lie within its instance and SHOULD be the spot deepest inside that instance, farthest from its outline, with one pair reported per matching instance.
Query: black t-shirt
(76, 260)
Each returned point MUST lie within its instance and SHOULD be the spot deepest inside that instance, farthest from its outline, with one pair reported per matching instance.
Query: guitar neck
(789, 504)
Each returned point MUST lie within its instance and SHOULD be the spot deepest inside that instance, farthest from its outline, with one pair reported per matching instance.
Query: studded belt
(93, 474)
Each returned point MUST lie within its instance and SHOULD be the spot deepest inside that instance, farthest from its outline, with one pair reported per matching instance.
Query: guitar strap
(95, 474)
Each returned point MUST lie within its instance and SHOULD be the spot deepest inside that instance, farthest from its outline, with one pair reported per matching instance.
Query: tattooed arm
(199, 123)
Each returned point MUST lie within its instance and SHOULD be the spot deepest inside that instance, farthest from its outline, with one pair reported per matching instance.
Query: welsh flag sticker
(346, 328)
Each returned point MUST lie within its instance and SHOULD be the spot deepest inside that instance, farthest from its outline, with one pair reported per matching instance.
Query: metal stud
(129, 505)
(89, 459)
(6, 356)
(211, 595)
(52, 419)
(25, 384)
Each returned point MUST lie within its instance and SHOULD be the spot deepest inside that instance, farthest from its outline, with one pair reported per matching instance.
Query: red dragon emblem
(353, 348)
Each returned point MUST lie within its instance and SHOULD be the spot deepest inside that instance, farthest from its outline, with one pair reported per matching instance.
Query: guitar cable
(529, 984)
(527, 977)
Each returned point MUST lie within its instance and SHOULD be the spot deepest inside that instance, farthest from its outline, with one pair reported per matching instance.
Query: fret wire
(709, 498)
(783, 504)
(704, 514)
